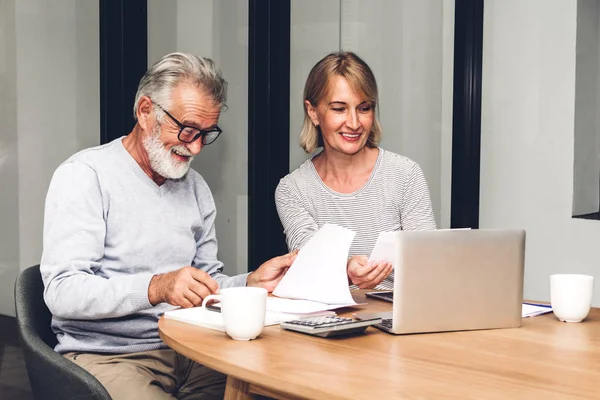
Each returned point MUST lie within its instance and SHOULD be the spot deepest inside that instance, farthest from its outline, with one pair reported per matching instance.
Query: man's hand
(270, 273)
(367, 274)
(186, 287)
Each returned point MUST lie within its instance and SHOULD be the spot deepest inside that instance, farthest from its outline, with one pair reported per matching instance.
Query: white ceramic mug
(243, 310)
(571, 296)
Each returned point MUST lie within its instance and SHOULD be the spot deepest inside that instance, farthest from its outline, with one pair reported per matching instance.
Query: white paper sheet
(319, 271)
(385, 248)
(532, 310)
(198, 316)
(291, 306)
(298, 307)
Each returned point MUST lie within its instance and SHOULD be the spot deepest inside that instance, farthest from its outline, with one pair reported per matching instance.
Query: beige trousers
(158, 374)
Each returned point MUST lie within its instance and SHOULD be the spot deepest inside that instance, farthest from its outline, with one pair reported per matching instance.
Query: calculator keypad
(328, 325)
(321, 321)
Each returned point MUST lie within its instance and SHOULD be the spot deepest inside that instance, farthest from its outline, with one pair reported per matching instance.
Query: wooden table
(544, 359)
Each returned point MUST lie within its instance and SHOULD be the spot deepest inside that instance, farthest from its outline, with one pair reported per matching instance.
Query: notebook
(452, 280)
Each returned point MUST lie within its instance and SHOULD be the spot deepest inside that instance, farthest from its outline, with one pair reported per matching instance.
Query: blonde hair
(360, 77)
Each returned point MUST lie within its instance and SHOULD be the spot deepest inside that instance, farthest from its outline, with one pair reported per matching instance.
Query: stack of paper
(319, 272)
(531, 310)
(297, 307)
(278, 310)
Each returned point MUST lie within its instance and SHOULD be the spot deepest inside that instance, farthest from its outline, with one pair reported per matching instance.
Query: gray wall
(9, 140)
(586, 174)
(527, 138)
(50, 108)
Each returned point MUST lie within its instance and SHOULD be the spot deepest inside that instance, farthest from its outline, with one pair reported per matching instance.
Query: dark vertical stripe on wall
(123, 61)
(466, 121)
(268, 124)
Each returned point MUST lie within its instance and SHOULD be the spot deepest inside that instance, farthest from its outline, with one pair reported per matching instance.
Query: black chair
(51, 375)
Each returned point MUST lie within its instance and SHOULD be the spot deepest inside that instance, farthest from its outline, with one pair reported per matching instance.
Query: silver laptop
(454, 280)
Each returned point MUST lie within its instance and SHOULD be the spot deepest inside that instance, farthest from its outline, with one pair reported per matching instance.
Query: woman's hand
(367, 274)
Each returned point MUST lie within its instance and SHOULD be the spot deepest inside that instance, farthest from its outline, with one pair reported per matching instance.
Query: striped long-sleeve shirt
(394, 198)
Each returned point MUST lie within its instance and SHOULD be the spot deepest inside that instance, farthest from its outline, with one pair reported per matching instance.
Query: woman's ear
(312, 112)
(145, 112)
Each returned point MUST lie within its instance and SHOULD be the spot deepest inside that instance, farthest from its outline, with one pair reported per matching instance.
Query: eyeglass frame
(202, 133)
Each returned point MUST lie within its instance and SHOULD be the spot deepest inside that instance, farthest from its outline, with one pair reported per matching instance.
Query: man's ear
(145, 112)
(312, 112)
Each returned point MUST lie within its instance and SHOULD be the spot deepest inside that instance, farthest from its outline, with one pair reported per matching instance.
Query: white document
(198, 316)
(532, 310)
(319, 271)
(385, 248)
(279, 310)
(298, 307)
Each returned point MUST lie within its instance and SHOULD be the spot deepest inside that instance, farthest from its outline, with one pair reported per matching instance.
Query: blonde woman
(352, 182)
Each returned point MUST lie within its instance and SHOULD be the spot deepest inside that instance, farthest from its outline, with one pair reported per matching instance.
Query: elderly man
(129, 233)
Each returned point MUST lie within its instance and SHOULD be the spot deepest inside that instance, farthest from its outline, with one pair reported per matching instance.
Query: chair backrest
(51, 375)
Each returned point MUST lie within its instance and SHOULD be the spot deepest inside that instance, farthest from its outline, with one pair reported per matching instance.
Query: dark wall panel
(268, 124)
(466, 121)
(123, 62)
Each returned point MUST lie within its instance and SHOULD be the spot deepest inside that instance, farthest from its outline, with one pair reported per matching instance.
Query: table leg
(236, 389)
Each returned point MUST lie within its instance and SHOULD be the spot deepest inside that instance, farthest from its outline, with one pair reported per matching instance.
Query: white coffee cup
(571, 296)
(243, 310)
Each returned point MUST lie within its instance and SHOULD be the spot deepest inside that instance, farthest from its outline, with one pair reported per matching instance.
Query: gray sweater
(108, 228)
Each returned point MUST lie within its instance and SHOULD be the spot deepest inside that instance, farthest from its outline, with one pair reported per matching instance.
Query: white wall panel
(527, 139)
(51, 75)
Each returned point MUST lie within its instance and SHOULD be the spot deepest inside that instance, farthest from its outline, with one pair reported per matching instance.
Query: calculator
(329, 325)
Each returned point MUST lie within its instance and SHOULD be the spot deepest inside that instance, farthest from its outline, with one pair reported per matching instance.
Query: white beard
(161, 160)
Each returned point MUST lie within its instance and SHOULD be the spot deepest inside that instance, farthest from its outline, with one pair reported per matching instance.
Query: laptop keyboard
(386, 323)
(387, 295)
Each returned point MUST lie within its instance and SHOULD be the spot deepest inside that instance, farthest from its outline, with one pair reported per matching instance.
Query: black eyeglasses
(188, 134)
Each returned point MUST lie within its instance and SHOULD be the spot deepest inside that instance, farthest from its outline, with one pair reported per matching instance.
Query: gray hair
(162, 77)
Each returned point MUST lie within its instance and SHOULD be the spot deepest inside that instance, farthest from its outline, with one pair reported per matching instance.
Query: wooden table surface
(544, 359)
